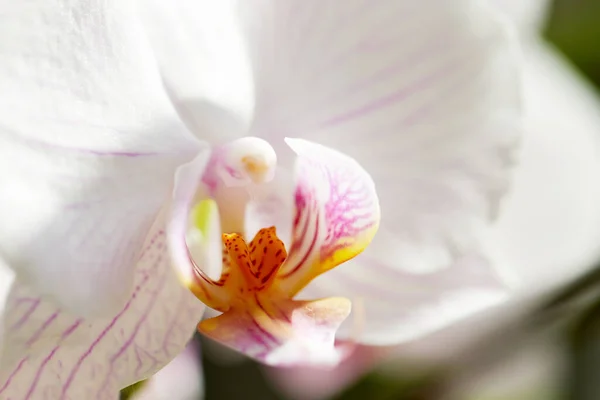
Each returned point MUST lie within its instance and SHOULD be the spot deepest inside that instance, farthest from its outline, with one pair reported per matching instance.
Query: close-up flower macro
(299, 199)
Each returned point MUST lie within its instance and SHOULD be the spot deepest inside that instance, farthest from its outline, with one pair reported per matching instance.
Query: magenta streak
(256, 338)
(297, 244)
(38, 374)
(80, 150)
(306, 254)
(14, 373)
(260, 305)
(71, 329)
(45, 325)
(262, 330)
(25, 316)
(424, 110)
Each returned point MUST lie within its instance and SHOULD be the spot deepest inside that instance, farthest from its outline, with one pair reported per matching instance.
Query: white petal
(198, 47)
(88, 144)
(549, 230)
(49, 353)
(424, 96)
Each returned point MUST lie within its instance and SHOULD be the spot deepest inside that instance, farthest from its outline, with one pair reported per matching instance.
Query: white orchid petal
(49, 353)
(89, 144)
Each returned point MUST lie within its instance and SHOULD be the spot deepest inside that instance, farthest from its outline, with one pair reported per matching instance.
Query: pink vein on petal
(26, 315)
(386, 101)
(14, 373)
(38, 374)
(45, 325)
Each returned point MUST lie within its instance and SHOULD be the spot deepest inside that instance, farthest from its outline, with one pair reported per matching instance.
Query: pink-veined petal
(424, 95)
(284, 333)
(337, 214)
(88, 143)
(49, 353)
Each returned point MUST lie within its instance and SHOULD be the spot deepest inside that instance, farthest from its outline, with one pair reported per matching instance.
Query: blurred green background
(574, 28)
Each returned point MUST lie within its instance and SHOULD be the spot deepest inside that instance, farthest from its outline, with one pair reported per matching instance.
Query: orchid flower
(410, 107)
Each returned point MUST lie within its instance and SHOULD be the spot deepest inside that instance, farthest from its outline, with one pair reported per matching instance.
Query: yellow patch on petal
(331, 256)
(346, 249)
(202, 214)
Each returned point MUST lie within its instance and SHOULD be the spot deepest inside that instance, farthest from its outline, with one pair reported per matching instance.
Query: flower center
(255, 264)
